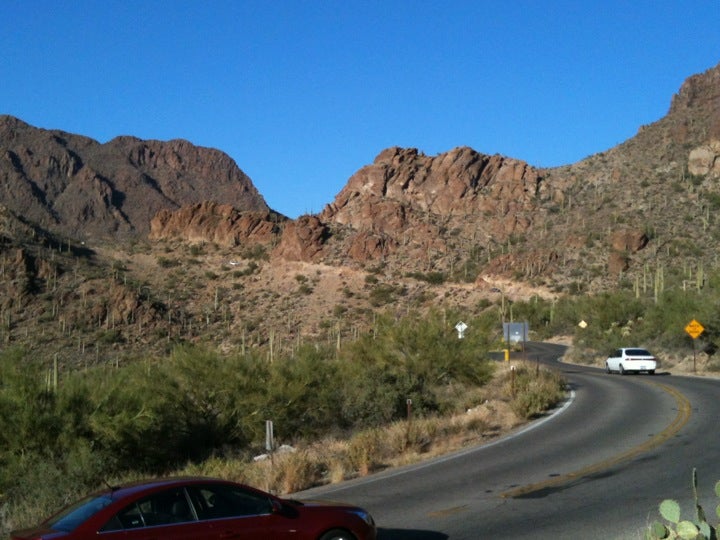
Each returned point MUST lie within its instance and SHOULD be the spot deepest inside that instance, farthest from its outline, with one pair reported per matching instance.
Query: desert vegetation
(198, 410)
(343, 406)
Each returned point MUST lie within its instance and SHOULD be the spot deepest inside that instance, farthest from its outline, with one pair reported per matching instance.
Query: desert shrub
(196, 250)
(165, 262)
(45, 456)
(410, 359)
(373, 396)
(365, 450)
(382, 294)
(713, 200)
(302, 393)
(255, 252)
(305, 289)
(534, 390)
(371, 279)
(624, 317)
(538, 312)
(108, 337)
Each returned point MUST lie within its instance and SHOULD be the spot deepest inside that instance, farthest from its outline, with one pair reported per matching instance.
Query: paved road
(596, 469)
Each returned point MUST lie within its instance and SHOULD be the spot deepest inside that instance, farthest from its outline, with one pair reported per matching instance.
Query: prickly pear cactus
(675, 527)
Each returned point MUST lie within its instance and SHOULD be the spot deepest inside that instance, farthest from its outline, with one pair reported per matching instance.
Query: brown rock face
(217, 223)
(456, 183)
(705, 159)
(367, 246)
(82, 188)
(302, 239)
(414, 200)
(404, 204)
(617, 263)
(623, 244)
(701, 92)
(628, 240)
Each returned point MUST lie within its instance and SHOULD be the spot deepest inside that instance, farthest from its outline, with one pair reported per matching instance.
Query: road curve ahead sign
(694, 329)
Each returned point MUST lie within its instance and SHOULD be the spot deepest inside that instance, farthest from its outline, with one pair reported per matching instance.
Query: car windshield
(637, 352)
(70, 518)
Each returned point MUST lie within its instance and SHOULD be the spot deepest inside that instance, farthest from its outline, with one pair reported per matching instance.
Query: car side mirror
(282, 508)
(276, 507)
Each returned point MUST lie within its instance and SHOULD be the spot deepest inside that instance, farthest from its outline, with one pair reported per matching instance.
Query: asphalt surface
(596, 468)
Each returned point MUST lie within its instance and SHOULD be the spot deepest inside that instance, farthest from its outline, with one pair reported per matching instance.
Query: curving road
(597, 468)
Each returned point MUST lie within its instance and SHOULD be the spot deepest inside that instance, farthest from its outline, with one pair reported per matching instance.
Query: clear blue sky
(303, 93)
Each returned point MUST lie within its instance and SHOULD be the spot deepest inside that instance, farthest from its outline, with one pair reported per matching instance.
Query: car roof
(156, 484)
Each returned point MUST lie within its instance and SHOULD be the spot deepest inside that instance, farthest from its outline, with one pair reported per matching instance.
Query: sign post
(694, 329)
(269, 437)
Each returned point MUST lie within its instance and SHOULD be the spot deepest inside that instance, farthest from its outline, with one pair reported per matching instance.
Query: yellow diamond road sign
(694, 328)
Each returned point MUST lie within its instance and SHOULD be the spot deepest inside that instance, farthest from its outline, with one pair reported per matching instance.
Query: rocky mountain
(132, 245)
(77, 186)
(581, 226)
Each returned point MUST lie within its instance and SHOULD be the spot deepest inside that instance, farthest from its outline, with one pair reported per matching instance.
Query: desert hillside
(112, 250)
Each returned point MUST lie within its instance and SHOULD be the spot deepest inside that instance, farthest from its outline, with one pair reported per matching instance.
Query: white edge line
(384, 475)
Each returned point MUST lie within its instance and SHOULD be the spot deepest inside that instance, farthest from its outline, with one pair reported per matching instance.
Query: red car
(200, 509)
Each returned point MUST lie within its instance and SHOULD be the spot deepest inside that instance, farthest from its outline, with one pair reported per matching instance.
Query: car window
(70, 518)
(128, 518)
(637, 352)
(164, 508)
(221, 501)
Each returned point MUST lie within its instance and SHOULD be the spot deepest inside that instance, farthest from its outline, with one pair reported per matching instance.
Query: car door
(233, 512)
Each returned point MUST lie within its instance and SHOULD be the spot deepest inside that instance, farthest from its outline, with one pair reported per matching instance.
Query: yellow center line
(448, 511)
(682, 417)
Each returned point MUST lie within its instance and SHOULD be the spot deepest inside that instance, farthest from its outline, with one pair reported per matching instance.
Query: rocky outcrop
(216, 223)
(627, 240)
(457, 183)
(624, 243)
(404, 204)
(367, 246)
(705, 160)
(303, 239)
(406, 200)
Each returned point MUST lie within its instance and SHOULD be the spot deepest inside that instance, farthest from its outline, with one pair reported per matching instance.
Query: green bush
(534, 391)
(164, 262)
(382, 294)
(256, 252)
(411, 359)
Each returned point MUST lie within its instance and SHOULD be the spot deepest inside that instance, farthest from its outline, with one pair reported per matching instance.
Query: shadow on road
(409, 534)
